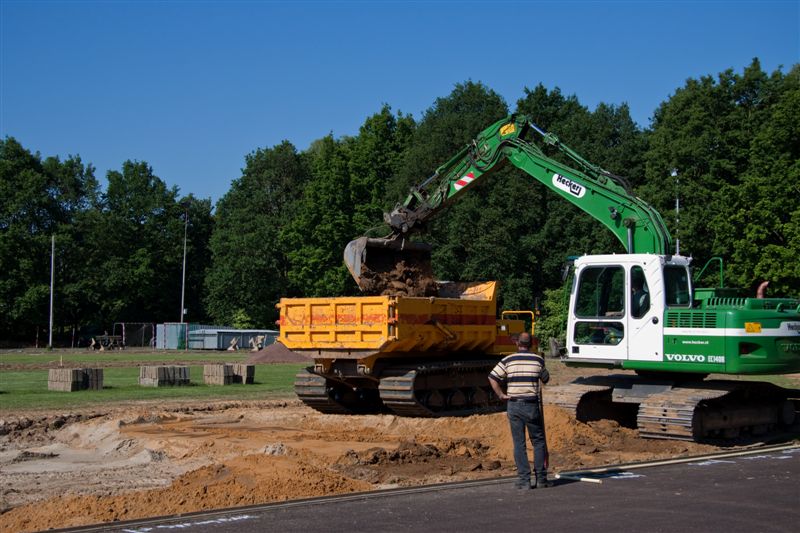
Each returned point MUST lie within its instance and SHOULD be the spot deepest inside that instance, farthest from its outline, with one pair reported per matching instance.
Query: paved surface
(749, 493)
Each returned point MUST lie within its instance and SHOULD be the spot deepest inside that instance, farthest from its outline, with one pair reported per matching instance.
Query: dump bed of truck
(461, 319)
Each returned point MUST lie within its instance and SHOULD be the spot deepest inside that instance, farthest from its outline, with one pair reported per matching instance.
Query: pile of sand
(241, 481)
(254, 456)
(276, 353)
(64, 470)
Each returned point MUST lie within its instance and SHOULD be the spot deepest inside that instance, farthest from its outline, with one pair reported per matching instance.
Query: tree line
(733, 140)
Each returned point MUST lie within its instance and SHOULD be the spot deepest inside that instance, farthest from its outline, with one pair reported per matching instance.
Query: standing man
(521, 372)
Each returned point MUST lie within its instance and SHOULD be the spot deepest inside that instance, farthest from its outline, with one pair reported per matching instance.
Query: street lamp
(185, 205)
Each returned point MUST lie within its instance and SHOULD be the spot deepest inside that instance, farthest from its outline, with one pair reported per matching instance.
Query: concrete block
(74, 379)
(218, 374)
(244, 373)
(163, 376)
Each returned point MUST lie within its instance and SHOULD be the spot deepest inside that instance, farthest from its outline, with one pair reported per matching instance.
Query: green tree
(374, 158)
(553, 319)
(554, 229)
(757, 225)
(198, 255)
(41, 199)
(317, 235)
(249, 271)
(136, 245)
(730, 140)
(697, 132)
(343, 199)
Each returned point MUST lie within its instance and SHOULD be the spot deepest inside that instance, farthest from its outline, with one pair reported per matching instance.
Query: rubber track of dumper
(398, 393)
(671, 414)
(313, 391)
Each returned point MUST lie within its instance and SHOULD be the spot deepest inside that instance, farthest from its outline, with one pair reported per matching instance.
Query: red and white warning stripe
(464, 181)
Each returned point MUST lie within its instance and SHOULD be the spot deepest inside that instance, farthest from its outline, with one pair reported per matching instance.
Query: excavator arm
(604, 196)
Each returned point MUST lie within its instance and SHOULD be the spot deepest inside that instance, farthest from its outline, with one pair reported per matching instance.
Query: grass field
(23, 379)
(84, 357)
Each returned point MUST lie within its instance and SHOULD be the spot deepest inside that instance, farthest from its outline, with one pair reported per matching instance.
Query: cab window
(609, 333)
(600, 299)
(601, 292)
(640, 293)
(676, 285)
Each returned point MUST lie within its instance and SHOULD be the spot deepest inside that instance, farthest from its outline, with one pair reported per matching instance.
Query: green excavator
(636, 311)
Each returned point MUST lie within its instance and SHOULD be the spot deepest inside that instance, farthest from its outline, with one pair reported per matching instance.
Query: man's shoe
(523, 485)
(542, 483)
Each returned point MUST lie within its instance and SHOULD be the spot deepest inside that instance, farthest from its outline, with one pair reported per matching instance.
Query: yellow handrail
(525, 312)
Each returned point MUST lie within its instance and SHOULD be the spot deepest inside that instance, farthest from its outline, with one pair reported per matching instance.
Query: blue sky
(191, 87)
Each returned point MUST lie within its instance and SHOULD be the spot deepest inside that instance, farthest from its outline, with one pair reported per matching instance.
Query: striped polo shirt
(521, 373)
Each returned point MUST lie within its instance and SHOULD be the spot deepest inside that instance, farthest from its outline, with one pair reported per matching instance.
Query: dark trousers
(522, 415)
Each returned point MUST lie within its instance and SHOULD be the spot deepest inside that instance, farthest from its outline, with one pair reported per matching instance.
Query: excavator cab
(393, 265)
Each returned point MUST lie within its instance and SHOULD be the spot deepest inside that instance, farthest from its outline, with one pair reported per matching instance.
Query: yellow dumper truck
(414, 356)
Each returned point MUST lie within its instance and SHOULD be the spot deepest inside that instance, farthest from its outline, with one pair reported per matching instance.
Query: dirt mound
(276, 353)
(246, 455)
(402, 279)
(412, 460)
(38, 430)
(242, 481)
(410, 452)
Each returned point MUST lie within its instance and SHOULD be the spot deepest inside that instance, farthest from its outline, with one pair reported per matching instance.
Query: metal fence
(136, 334)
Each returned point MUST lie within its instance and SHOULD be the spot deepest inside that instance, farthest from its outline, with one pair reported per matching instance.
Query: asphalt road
(759, 493)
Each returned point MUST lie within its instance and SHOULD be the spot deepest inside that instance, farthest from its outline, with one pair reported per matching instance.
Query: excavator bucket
(375, 263)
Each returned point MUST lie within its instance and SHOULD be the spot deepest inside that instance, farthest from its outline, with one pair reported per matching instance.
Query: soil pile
(180, 460)
(240, 481)
(276, 353)
(151, 457)
(403, 279)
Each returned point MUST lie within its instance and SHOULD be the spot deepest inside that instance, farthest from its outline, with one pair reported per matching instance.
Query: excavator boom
(604, 196)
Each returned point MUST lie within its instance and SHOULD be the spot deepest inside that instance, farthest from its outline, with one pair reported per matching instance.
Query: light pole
(52, 285)
(185, 232)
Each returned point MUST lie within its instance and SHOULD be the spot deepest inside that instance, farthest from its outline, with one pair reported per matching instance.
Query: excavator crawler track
(575, 397)
(671, 415)
(453, 388)
(663, 409)
(714, 410)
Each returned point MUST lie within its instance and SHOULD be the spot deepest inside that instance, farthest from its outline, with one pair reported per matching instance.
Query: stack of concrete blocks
(163, 376)
(217, 374)
(244, 373)
(75, 379)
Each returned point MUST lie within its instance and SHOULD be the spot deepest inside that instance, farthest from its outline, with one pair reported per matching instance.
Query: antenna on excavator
(674, 174)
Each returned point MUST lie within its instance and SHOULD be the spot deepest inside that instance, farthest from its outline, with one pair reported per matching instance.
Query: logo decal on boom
(567, 185)
(508, 129)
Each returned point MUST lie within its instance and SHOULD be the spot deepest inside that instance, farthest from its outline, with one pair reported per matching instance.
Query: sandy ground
(127, 462)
